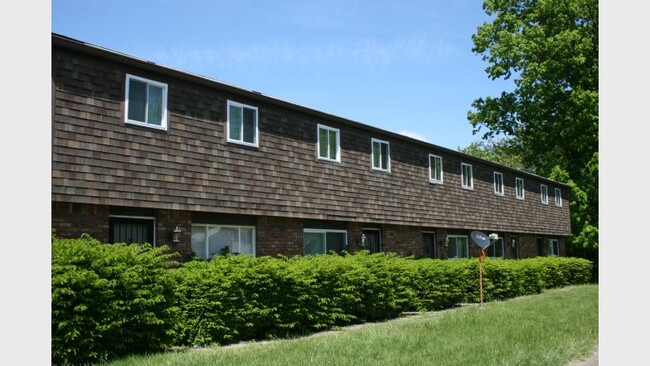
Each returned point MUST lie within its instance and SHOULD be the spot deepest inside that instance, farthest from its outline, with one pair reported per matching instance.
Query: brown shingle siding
(191, 166)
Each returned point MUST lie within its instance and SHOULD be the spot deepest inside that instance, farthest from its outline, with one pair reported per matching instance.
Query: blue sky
(404, 66)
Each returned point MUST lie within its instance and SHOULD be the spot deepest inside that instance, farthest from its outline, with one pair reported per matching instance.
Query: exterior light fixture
(513, 242)
(363, 241)
(177, 234)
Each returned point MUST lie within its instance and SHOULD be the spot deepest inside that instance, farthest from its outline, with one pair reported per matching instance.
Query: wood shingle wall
(98, 159)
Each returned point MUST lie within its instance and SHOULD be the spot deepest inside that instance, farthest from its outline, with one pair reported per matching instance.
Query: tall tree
(501, 151)
(550, 50)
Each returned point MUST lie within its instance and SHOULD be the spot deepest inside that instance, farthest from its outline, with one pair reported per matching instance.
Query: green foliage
(385, 291)
(584, 216)
(550, 49)
(235, 298)
(562, 271)
(504, 279)
(439, 284)
(557, 327)
(114, 300)
(504, 151)
(109, 300)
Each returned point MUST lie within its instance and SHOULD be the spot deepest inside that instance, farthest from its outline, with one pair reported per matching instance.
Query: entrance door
(429, 245)
(514, 244)
(373, 240)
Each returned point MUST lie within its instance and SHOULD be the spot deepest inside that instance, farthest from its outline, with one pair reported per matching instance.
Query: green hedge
(236, 298)
(111, 300)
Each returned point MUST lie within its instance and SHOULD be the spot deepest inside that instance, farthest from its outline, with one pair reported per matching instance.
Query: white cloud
(366, 52)
(414, 135)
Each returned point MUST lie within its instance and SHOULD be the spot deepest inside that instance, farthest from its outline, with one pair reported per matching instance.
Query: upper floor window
(466, 176)
(519, 188)
(544, 193)
(435, 169)
(558, 197)
(146, 102)
(329, 143)
(380, 155)
(498, 183)
(242, 124)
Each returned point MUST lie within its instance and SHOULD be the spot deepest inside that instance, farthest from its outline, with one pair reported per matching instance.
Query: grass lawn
(547, 329)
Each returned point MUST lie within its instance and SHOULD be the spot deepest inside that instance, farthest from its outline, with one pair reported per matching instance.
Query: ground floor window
(211, 240)
(321, 241)
(457, 246)
(495, 250)
(129, 229)
(553, 247)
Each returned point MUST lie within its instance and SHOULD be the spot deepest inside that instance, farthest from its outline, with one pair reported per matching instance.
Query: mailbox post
(482, 241)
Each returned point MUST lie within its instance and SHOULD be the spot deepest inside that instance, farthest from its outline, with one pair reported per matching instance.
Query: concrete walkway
(591, 361)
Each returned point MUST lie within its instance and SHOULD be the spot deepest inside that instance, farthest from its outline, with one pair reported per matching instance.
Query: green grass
(547, 329)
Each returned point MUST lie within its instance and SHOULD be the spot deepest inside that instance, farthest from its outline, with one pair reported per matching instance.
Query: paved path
(591, 361)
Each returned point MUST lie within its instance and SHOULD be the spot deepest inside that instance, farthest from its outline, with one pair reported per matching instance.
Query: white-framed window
(380, 155)
(435, 169)
(321, 241)
(145, 102)
(328, 146)
(519, 188)
(543, 190)
(553, 247)
(457, 246)
(498, 183)
(242, 124)
(558, 197)
(495, 250)
(466, 176)
(210, 240)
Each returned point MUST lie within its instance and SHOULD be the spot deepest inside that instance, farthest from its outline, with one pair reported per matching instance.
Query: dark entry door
(428, 245)
(514, 245)
(373, 240)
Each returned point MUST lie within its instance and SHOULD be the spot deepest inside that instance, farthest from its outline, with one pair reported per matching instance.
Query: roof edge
(89, 48)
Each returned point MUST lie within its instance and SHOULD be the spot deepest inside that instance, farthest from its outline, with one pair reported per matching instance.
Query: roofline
(81, 46)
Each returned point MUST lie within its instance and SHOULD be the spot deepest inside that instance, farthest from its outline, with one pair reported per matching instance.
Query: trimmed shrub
(109, 300)
(384, 286)
(505, 279)
(113, 300)
(438, 284)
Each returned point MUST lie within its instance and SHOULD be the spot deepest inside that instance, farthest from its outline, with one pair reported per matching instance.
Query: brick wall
(274, 235)
(403, 240)
(355, 229)
(166, 222)
(279, 235)
(70, 220)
